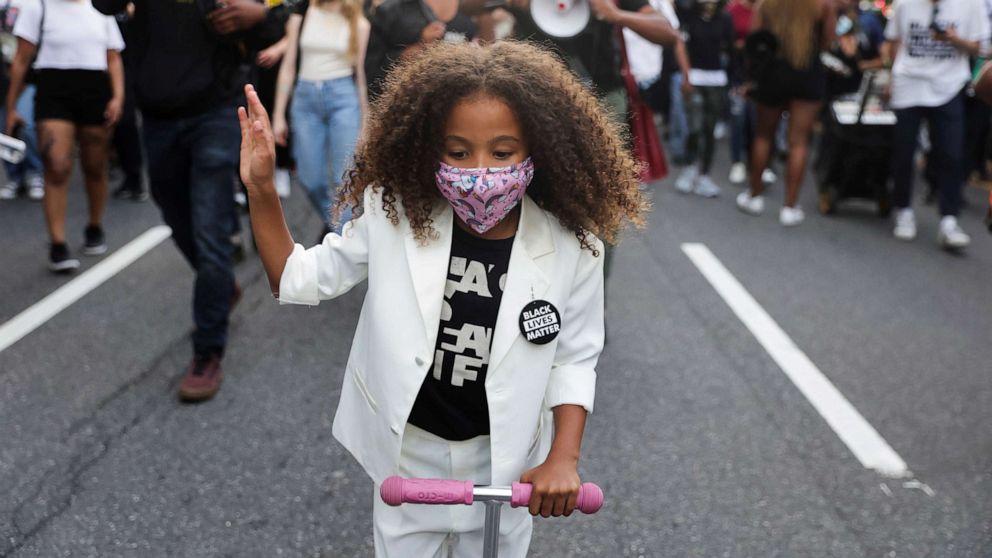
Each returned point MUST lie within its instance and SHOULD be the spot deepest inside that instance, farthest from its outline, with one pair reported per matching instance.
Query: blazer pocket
(363, 389)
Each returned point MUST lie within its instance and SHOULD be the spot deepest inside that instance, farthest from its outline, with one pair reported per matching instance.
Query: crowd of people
(778, 60)
(82, 74)
(405, 104)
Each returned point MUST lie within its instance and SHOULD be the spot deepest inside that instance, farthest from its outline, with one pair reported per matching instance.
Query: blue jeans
(325, 116)
(678, 125)
(742, 120)
(946, 156)
(31, 165)
(192, 162)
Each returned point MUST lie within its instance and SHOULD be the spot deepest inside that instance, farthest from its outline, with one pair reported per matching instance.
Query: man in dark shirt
(401, 25)
(190, 60)
(594, 54)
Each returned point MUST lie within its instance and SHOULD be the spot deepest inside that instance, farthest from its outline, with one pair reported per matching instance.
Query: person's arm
(571, 389)
(682, 58)
(556, 482)
(18, 69)
(115, 69)
(271, 56)
(286, 79)
(646, 22)
(889, 50)
(258, 155)
(965, 46)
(364, 29)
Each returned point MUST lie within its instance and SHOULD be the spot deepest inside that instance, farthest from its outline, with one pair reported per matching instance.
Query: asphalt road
(700, 441)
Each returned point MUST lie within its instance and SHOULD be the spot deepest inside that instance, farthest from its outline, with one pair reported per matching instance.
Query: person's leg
(93, 146)
(904, 140)
(343, 126)
(712, 111)
(694, 107)
(738, 125)
(976, 126)
(946, 123)
(767, 118)
(32, 164)
(677, 123)
(169, 178)
(311, 146)
(58, 138)
(214, 143)
(415, 529)
(802, 116)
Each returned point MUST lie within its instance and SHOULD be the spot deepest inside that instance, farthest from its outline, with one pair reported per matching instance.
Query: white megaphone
(560, 18)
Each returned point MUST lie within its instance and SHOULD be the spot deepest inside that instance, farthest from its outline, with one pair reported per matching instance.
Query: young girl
(485, 178)
(325, 58)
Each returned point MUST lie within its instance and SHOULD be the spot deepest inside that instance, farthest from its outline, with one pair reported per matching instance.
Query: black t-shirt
(397, 24)
(593, 54)
(452, 401)
(708, 42)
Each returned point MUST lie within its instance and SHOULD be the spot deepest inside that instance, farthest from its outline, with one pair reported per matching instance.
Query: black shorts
(79, 96)
(781, 84)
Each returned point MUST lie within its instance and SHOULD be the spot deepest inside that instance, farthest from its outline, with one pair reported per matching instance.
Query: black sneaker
(95, 244)
(130, 192)
(59, 260)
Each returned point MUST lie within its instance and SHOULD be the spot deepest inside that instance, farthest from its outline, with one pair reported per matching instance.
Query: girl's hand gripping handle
(590, 498)
(396, 490)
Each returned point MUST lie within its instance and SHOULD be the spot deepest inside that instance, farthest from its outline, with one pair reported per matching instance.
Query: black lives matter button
(540, 322)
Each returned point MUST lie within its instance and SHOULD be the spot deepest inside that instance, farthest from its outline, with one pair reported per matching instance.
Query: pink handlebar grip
(397, 490)
(589, 501)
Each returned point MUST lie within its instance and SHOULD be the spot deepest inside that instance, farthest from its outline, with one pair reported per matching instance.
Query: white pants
(426, 531)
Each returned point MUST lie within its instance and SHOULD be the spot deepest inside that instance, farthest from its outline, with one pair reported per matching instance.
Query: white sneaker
(36, 187)
(791, 216)
(950, 236)
(752, 205)
(905, 228)
(705, 187)
(8, 191)
(282, 183)
(738, 173)
(768, 177)
(720, 131)
(687, 179)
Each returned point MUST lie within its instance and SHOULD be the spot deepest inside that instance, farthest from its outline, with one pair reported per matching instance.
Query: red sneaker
(202, 379)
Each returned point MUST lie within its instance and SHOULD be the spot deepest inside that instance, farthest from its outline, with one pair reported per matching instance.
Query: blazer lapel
(527, 278)
(429, 269)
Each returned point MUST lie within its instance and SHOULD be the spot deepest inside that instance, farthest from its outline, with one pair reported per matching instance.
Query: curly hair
(584, 173)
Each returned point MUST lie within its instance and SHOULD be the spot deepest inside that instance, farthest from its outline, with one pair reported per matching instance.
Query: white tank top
(324, 46)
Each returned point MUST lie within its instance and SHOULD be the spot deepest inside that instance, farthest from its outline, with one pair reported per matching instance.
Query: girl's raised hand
(258, 149)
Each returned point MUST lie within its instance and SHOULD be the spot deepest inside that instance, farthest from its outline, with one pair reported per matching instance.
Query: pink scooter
(397, 490)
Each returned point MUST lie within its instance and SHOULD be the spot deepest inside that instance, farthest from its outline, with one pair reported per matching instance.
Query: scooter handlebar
(590, 498)
(397, 490)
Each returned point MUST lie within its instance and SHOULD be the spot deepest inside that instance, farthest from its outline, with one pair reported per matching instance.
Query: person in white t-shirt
(931, 41)
(80, 95)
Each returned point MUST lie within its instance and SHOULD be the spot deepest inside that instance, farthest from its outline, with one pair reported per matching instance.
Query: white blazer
(397, 330)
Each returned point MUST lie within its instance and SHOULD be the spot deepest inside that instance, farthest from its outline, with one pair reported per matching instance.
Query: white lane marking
(861, 438)
(63, 297)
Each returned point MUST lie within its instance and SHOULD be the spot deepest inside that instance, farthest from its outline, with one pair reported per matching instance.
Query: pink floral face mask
(483, 197)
